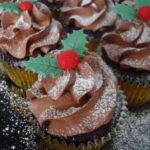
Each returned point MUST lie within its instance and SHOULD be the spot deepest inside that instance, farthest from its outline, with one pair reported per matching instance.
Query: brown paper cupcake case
(136, 94)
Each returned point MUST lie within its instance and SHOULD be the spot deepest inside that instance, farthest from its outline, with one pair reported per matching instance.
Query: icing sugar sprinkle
(21, 24)
(103, 106)
(52, 113)
(130, 35)
(61, 83)
(82, 85)
(138, 63)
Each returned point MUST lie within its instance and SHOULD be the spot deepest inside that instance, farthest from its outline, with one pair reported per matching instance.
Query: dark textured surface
(15, 131)
(135, 132)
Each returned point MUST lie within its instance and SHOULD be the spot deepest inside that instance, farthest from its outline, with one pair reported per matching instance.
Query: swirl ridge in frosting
(89, 14)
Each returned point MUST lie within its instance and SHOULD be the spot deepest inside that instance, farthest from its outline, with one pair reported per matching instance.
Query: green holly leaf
(32, 1)
(45, 66)
(140, 3)
(77, 42)
(10, 7)
(126, 12)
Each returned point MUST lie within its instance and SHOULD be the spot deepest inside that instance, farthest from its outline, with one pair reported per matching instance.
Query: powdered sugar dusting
(137, 63)
(102, 107)
(36, 88)
(21, 24)
(109, 20)
(85, 2)
(82, 86)
(52, 113)
(59, 87)
(144, 38)
(98, 80)
(86, 21)
(52, 38)
(130, 35)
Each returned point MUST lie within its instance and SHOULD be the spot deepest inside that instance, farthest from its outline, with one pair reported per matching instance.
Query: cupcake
(127, 50)
(75, 100)
(27, 29)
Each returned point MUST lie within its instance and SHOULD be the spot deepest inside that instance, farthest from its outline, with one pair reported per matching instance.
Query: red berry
(68, 60)
(23, 6)
(144, 13)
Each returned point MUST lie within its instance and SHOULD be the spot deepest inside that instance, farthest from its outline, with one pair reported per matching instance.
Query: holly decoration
(48, 66)
(141, 10)
(17, 8)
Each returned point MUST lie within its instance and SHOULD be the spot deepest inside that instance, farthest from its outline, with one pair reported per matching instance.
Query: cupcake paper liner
(136, 85)
(20, 80)
(136, 94)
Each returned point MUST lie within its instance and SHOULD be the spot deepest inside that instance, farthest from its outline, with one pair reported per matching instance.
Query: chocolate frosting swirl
(129, 45)
(89, 14)
(76, 102)
(27, 34)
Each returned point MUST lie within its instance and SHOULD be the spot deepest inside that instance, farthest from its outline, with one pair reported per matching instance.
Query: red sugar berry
(144, 13)
(68, 60)
(23, 6)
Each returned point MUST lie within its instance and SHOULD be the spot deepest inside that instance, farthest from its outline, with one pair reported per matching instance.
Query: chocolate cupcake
(28, 31)
(127, 51)
(75, 99)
